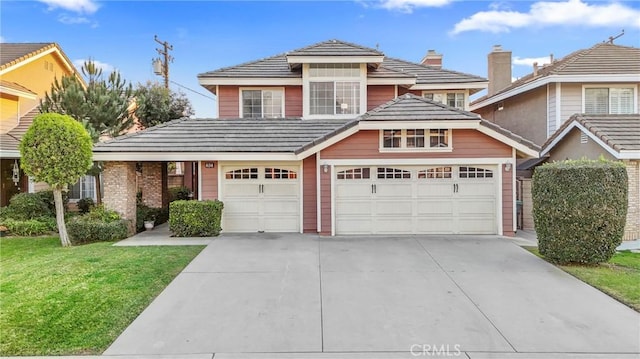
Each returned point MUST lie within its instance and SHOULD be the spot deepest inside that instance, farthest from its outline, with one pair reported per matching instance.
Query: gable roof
(409, 107)
(600, 59)
(618, 134)
(278, 67)
(16, 89)
(14, 54)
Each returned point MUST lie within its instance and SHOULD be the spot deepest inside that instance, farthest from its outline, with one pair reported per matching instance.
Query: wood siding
(571, 101)
(466, 143)
(293, 101)
(552, 118)
(378, 95)
(228, 101)
(209, 180)
(310, 199)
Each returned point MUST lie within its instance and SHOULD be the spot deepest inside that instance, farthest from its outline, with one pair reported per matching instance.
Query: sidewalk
(161, 236)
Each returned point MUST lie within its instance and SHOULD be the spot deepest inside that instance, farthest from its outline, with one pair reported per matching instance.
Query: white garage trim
(499, 200)
(199, 180)
(420, 161)
(318, 195)
(301, 195)
(332, 171)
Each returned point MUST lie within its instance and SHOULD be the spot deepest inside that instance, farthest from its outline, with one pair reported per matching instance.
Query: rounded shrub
(579, 210)
(85, 205)
(26, 206)
(195, 218)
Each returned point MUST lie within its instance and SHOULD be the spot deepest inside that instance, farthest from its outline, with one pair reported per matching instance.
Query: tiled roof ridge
(335, 41)
(435, 68)
(250, 62)
(410, 96)
(45, 46)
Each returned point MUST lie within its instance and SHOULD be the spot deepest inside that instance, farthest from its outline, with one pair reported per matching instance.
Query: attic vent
(583, 137)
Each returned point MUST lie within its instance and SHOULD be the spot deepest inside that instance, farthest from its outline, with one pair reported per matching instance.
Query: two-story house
(334, 138)
(602, 83)
(27, 71)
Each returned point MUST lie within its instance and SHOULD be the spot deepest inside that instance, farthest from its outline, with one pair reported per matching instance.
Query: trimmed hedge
(179, 193)
(579, 210)
(30, 227)
(99, 225)
(195, 218)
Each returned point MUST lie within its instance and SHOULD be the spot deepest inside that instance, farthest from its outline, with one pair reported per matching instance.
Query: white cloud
(543, 14)
(79, 6)
(72, 20)
(528, 61)
(408, 5)
(106, 68)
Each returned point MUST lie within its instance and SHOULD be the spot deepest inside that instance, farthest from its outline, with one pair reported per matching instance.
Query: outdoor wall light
(325, 168)
(507, 167)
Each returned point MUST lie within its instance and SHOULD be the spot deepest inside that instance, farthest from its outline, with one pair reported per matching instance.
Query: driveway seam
(465, 294)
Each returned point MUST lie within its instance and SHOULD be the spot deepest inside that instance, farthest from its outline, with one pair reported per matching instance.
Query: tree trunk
(62, 227)
(98, 189)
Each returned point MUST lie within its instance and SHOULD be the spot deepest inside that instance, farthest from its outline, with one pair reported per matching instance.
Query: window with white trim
(393, 173)
(258, 103)
(608, 100)
(84, 188)
(417, 139)
(279, 173)
(334, 89)
(354, 173)
(436, 173)
(453, 99)
(243, 173)
(474, 172)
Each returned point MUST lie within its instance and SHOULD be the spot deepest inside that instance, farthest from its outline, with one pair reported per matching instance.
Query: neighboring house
(27, 71)
(333, 138)
(614, 137)
(602, 80)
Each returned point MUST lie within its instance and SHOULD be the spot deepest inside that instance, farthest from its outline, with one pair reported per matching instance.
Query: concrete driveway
(279, 294)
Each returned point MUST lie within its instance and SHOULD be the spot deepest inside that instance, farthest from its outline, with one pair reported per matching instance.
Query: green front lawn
(77, 300)
(619, 278)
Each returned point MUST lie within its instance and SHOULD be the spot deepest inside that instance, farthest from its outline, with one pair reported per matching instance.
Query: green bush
(30, 227)
(179, 193)
(579, 210)
(26, 206)
(146, 213)
(47, 197)
(98, 225)
(195, 218)
(5, 212)
(85, 205)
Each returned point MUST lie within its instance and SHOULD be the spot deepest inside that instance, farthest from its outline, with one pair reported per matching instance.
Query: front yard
(77, 300)
(619, 278)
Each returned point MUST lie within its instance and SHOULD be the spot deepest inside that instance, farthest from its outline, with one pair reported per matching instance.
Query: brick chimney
(432, 59)
(499, 69)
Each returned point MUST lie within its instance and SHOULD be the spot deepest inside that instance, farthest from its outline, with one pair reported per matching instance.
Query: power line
(192, 90)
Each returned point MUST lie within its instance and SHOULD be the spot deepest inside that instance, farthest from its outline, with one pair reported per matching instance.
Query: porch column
(152, 181)
(119, 182)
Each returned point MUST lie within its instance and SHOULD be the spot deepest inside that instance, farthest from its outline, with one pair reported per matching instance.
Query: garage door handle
(373, 188)
(455, 188)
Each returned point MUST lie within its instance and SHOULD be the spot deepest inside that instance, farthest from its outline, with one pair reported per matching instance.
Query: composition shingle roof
(224, 135)
(620, 132)
(278, 67)
(602, 58)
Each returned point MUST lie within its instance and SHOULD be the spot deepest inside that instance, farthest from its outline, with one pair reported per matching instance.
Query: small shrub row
(195, 218)
(579, 210)
(30, 227)
(25, 206)
(99, 225)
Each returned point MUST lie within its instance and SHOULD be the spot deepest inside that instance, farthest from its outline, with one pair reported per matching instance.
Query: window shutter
(596, 101)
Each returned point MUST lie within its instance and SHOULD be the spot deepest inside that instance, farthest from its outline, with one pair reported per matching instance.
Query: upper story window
(262, 103)
(416, 139)
(608, 100)
(453, 99)
(335, 89)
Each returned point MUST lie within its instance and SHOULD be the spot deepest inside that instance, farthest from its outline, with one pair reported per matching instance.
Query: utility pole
(160, 66)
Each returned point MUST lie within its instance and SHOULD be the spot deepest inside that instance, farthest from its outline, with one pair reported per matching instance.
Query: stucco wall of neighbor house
(571, 148)
(309, 198)
(632, 228)
(229, 100)
(527, 204)
(378, 95)
(119, 182)
(571, 101)
(466, 144)
(209, 180)
(151, 184)
(525, 114)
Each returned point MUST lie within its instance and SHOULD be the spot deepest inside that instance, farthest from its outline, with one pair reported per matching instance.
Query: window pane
(322, 98)
(347, 97)
(621, 100)
(272, 103)
(596, 101)
(251, 103)
(415, 138)
(88, 187)
(334, 70)
(438, 138)
(428, 96)
(391, 138)
(74, 191)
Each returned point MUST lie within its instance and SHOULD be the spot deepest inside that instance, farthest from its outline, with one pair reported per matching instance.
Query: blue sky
(207, 35)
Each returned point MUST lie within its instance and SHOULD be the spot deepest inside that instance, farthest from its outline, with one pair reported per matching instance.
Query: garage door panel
(281, 190)
(434, 188)
(279, 223)
(353, 225)
(357, 208)
(483, 187)
(399, 225)
(476, 226)
(435, 207)
(434, 225)
(240, 223)
(353, 190)
(393, 190)
(394, 208)
(239, 189)
(477, 206)
(284, 207)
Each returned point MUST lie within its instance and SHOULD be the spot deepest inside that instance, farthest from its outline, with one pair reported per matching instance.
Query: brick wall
(119, 188)
(151, 184)
(632, 228)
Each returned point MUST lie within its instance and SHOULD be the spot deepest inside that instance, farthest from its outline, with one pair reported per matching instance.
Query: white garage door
(261, 199)
(416, 200)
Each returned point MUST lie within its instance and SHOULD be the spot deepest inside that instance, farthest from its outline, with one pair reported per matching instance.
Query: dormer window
(334, 89)
(456, 99)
